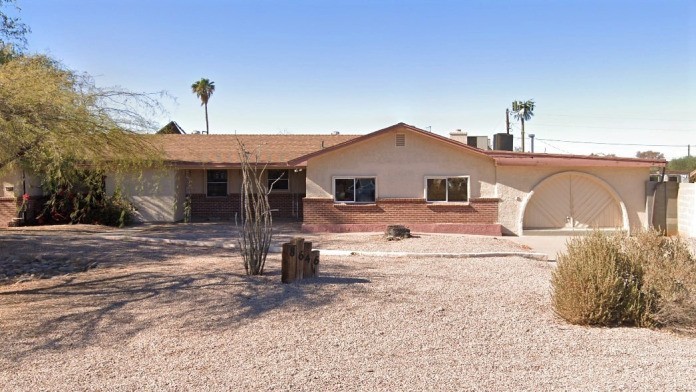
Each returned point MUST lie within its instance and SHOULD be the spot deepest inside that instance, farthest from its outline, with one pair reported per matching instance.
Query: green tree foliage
(13, 33)
(523, 111)
(204, 89)
(60, 125)
(650, 155)
(683, 163)
(50, 115)
(57, 124)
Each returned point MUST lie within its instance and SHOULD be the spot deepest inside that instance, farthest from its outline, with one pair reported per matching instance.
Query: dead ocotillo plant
(257, 223)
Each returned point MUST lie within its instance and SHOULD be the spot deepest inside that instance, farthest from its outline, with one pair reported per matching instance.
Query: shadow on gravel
(32, 256)
(113, 307)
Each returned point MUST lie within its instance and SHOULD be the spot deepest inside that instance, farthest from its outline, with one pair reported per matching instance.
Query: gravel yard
(179, 318)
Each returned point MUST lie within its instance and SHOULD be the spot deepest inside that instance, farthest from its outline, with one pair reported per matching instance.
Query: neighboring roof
(222, 150)
(509, 158)
(171, 129)
(303, 159)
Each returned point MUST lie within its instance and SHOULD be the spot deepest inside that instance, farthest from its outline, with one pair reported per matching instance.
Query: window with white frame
(217, 183)
(279, 180)
(355, 189)
(447, 189)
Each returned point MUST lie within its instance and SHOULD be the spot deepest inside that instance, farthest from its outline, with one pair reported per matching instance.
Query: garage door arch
(573, 200)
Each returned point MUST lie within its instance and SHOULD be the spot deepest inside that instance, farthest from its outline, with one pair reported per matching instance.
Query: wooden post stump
(298, 260)
(298, 242)
(306, 260)
(314, 262)
(288, 267)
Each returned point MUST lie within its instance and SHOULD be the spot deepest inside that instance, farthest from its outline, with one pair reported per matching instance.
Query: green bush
(611, 279)
(110, 211)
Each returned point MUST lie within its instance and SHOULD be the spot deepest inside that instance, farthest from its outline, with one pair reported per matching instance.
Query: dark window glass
(365, 190)
(279, 179)
(457, 189)
(436, 190)
(451, 189)
(359, 190)
(344, 189)
(217, 183)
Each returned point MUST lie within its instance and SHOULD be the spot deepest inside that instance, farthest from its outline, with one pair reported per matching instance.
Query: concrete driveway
(549, 244)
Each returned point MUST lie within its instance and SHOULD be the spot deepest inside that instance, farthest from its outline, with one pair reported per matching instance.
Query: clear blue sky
(599, 71)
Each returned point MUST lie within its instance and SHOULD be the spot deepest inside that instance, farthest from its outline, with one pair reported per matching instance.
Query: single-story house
(397, 175)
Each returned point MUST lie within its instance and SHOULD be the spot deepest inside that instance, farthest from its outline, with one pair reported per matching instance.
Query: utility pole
(688, 149)
(507, 121)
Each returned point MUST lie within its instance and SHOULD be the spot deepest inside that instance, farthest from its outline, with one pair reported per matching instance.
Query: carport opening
(572, 203)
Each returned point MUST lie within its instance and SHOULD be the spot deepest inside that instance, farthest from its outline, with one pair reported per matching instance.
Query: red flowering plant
(23, 206)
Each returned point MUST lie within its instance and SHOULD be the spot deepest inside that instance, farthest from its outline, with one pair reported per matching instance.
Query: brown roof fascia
(507, 158)
(216, 165)
(302, 161)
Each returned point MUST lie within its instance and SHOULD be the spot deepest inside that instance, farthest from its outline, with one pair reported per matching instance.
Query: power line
(619, 118)
(615, 144)
(554, 147)
(612, 127)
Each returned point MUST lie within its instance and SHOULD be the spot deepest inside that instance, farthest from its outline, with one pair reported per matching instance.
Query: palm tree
(203, 89)
(523, 111)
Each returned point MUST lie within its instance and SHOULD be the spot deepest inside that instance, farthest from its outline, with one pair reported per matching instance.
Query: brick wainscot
(284, 205)
(478, 216)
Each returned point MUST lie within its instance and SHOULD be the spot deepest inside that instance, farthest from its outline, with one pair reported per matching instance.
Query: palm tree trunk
(522, 134)
(207, 130)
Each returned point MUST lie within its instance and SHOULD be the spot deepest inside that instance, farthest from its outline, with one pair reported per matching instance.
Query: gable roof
(501, 158)
(172, 128)
(221, 150)
(400, 126)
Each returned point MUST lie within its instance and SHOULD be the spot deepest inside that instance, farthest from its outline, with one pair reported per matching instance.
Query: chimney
(459, 136)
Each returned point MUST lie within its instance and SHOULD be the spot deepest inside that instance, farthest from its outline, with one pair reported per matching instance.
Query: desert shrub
(612, 279)
(596, 283)
(111, 211)
(80, 197)
(670, 274)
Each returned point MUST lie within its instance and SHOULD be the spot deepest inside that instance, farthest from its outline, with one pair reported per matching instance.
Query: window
(279, 179)
(217, 182)
(448, 189)
(355, 190)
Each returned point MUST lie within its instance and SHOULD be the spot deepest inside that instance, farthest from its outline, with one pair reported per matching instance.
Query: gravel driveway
(177, 318)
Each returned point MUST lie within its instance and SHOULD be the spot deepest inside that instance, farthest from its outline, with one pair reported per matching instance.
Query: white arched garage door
(573, 200)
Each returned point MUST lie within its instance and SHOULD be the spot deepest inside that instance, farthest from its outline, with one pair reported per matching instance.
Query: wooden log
(306, 260)
(299, 257)
(288, 267)
(314, 261)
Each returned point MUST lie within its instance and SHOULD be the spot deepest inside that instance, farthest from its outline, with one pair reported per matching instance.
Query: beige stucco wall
(156, 194)
(516, 182)
(401, 171)
(234, 181)
(12, 179)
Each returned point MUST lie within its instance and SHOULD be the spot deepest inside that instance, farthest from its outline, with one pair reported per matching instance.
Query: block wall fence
(686, 205)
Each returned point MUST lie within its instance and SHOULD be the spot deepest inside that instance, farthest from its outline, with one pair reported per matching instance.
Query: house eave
(526, 159)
